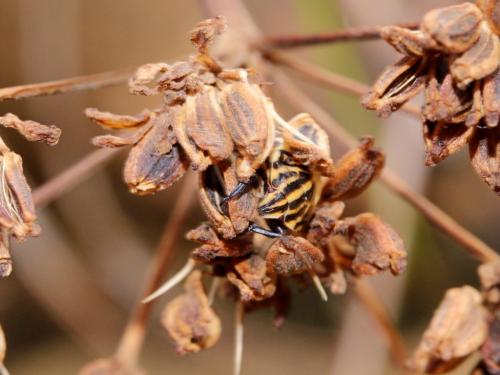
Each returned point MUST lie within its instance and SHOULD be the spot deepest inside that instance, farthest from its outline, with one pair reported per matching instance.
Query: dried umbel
(17, 210)
(210, 115)
(454, 58)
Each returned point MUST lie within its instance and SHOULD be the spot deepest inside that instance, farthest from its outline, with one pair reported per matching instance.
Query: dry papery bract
(17, 210)
(454, 58)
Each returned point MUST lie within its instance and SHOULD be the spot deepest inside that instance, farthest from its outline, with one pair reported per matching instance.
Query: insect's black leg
(263, 231)
(240, 189)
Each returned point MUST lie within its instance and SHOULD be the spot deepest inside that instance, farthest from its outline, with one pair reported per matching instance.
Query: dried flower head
(454, 57)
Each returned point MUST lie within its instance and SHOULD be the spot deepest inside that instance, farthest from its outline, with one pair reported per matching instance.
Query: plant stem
(85, 82)
(431, 212)
(344, 35)
(329, 79)
(370, 300)
(130, 345)
(72, 176)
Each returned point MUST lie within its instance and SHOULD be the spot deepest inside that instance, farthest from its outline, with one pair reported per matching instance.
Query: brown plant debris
(31, 130)
(458, 328)
(190, 320)
(454, 57)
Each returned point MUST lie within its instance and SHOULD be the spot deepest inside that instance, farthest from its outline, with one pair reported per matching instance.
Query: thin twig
(344, 35)
(329, 79)
(86, 82)
(238, 337)
(370, 300)
(431, 212)
(133, 336)
(72, 176)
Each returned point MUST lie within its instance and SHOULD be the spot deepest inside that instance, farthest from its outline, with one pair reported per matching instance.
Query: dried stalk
(132, 339)
(431, 212)
(369, 298)
(80, 83)
(72, 176)
(345, 35)
(328, 79)
(238, 337)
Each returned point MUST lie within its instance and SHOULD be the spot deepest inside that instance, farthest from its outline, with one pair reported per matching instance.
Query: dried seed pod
(378, 246)
(489, 274)
(484, 151)
(491, 99)
(323, 222)
(397, 84)
(250, 122)
(457, 329)
(31, 130)
(491, 11)
(292, 255)
(156, 162)
(454, 28)
(316, 152)
(479, 61)
(442, 139)
(213, 247)
(355, 171)
(251, 279)
(109, 366)
(190, 320)
(408, 42)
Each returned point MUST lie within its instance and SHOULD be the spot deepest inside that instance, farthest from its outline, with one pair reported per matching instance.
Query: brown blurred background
(68, 298)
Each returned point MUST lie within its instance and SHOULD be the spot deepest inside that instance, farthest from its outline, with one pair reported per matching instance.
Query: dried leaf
(249, 121)
(190, 320)
(491, 99)
(31, 130)
(408, 42)
(323, 222)
(378, 246)
(442, 140)
(315, 153)
(156, 162)
(110, 120)
(484, 150)
(454, 28)
(108, 366)
(397, 84)
(213, 247)
(482, 59)
(252, 280)
(457, 329)
(355, 171)
(291, 255)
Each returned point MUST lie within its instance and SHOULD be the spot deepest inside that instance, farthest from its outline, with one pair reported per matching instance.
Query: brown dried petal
(213, 247)
(315, 153)
(252, 280)
(408, 42)
(31, 130)
(109, 366)
(5, 258)
(249, 121)
(457, 329)
(482, 59)
(17, 210)
(491, 99)
(491, 10)
(378, 246)
(291, 255)
(323, 222)
(155, 163)
(442, 139)
(112, 121)
(205, 124)
(397, 84)
(190, 320)
(355, 171)
(484, 150)
(454, 28)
